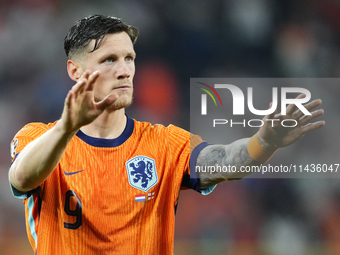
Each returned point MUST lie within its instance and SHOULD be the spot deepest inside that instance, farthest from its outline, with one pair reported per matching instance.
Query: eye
(109, 60)
(129, 58)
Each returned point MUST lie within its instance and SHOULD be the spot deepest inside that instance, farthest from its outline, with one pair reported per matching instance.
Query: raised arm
(40, 157)
(258, 149)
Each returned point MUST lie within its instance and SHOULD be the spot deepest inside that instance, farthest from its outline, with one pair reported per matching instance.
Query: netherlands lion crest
(142, 172)
(14, 145)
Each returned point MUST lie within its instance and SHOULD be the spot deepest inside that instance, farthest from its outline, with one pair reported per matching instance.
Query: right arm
(41, 156)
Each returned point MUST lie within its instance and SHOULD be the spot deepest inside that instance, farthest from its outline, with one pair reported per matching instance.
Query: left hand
(272, 135)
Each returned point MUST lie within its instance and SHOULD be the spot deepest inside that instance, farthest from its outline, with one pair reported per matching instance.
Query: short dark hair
(95, 27)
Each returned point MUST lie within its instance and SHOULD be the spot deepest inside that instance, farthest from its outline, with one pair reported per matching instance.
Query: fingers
(79, 86)
(107, 101)
(310, 106)
(91, 80)
(68, 100)
(312, 126)
(309, 118)
(292, 107)
(85, 82)
(300, 116)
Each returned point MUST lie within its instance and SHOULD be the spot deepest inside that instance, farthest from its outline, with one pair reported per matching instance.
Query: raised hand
(80, 108)
(273, 135)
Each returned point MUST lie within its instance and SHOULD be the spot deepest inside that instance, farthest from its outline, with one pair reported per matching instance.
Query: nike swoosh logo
(73, 172)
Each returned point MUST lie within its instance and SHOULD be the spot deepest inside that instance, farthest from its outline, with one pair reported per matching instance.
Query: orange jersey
(110, 196)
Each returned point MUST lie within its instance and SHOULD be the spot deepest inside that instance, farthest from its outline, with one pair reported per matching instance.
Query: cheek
(104, 69)
(132, 70)
(99, 86)
(101, 67)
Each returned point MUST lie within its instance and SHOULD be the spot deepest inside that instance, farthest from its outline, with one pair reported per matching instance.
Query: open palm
(80, 108)
(274, 135)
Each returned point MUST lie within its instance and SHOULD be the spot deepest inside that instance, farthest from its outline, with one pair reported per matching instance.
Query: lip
(124, 87)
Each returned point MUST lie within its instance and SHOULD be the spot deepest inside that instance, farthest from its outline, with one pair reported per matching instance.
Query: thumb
(107, 101)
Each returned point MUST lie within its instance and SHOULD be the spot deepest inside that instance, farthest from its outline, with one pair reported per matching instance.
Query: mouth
(123, 87)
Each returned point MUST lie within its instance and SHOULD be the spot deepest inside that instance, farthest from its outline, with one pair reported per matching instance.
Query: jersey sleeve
(185, 148)
(26, 135)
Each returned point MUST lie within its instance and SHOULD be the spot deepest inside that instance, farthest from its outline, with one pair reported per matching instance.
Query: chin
(120, 104)
(123, 101)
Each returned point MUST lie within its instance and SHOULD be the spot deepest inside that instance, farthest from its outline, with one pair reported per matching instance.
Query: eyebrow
(106, 55)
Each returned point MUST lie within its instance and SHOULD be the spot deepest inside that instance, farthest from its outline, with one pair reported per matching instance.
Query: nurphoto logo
(238, 105)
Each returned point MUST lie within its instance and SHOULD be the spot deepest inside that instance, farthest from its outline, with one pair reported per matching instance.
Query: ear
(74, 70)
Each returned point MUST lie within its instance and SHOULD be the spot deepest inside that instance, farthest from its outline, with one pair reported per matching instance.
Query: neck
(108, 125)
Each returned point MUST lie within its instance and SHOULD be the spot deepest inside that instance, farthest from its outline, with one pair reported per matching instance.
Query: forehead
(113, 43)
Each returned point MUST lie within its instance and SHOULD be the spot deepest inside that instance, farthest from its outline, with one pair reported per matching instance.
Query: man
(97, 181)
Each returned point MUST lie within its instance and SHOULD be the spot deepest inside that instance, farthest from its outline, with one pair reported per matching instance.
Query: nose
(122, 71)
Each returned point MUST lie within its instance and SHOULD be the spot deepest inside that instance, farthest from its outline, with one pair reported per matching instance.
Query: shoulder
(35, 129)
(146, 127)
(170, 136)
(26, 135)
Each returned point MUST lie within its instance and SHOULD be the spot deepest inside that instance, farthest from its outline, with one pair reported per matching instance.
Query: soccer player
(99, 182)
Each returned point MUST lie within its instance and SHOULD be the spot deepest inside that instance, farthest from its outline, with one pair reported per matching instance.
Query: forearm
(243, 152)
(39, 158)
(229, 156)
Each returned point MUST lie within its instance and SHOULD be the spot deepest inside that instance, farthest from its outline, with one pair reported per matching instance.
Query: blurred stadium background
(179, 40)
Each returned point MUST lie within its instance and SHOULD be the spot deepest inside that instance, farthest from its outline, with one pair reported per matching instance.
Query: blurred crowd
(179, 40)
